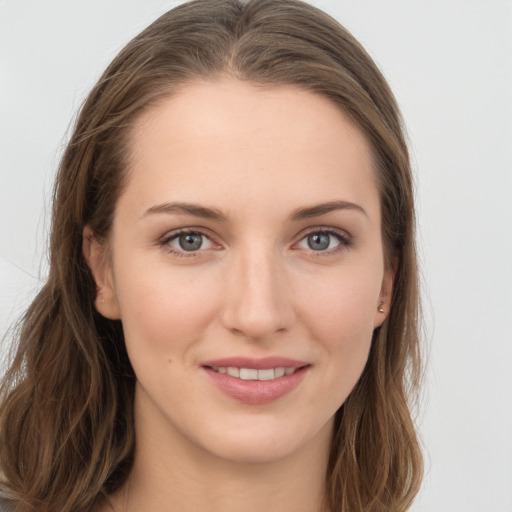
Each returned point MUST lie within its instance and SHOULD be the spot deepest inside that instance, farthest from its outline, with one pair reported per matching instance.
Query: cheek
(340, 317)
(165, 311)
(343, 304)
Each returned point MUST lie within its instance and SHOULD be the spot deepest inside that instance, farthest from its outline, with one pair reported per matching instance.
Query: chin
(265, 443)
(253, 452)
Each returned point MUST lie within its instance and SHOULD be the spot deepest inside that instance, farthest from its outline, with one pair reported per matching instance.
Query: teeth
(279, 372)
(266, 374)
(253, 374)
(234, 372)
(248, 374)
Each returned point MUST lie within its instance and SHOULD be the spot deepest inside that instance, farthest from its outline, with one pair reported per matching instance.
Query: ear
(386, 293)
(95, 253)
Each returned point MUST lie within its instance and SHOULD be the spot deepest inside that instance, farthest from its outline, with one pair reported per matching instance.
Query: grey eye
(187, 242)
(318, 241)
(190, 241)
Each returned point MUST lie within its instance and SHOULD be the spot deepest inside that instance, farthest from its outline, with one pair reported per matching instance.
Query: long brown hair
(66, 417)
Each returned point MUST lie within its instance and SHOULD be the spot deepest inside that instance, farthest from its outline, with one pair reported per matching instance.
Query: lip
(256, 363)
(256, 392)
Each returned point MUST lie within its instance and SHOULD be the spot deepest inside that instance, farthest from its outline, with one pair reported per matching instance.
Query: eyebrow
(324, 208)
(213, 214)
(186, 209)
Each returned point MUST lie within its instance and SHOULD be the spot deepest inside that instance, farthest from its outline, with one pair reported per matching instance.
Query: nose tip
(257, 301)
(255, 322)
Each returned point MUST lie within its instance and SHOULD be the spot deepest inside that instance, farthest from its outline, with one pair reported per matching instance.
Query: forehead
(211, 138)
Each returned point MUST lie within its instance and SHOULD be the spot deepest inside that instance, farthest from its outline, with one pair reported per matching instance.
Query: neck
(172, 473)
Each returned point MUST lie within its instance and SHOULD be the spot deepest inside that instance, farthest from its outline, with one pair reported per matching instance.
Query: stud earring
(380, 310)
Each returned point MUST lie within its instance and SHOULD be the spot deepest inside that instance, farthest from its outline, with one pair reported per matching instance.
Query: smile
(254, 374)
(256, 381)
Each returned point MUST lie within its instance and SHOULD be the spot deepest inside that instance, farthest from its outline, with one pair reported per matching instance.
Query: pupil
(318, 241)
(190, 242)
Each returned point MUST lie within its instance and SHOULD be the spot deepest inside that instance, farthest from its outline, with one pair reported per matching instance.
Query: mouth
(253, 373)
(256, 381)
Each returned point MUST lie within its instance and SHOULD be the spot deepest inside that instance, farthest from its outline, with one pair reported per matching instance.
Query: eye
(186, 242)
(324, 241)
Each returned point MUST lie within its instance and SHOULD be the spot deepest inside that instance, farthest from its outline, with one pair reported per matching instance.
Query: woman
(230, 319)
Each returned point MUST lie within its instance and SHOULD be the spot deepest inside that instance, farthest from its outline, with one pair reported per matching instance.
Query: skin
(255, 288)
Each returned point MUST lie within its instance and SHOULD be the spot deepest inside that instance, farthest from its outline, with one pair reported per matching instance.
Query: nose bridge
(257, 300)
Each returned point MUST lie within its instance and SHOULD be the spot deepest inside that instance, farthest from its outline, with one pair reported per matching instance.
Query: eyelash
(344, 239)
(167, 239)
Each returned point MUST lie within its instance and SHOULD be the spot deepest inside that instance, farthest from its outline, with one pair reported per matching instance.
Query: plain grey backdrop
(449, 63)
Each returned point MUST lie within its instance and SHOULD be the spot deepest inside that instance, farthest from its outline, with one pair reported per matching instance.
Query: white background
(450, 65)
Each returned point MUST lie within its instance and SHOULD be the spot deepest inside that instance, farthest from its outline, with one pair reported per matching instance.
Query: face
(246, 265)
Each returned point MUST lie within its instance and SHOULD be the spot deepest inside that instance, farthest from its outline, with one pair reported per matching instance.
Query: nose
(258, 298)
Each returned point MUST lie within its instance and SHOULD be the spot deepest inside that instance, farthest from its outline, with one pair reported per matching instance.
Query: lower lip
(256, 392)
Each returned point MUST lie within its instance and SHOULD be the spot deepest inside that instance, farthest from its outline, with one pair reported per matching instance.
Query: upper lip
(256, 363)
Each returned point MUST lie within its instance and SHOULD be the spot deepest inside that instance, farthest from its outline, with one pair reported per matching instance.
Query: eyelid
(172, 235)
(345, 239)
(326, 229)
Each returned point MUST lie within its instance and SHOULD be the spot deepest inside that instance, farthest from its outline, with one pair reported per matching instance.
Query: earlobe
(386, 291)
(95, 254)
